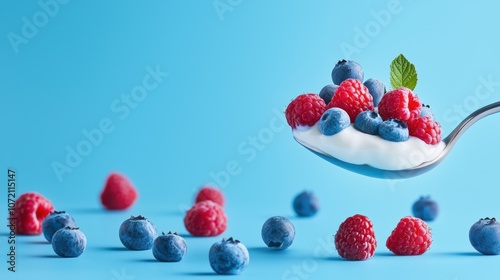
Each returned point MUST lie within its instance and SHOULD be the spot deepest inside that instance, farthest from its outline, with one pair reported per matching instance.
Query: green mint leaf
(403, 73)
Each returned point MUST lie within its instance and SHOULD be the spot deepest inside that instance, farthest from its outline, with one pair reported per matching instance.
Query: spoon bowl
(449, 142)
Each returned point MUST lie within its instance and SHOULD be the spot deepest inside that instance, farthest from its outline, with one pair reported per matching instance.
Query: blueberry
(137, 233)
(368, 122)
(228, 256)
(427, 112)
(69, 242)
(333, 121)
(327, 92)
(346, 69)
(376, 89)
(393, 130)
(484, 236)
(278, 233)
(169, 248)
(55, 221)
(306, 204)
(425, 208)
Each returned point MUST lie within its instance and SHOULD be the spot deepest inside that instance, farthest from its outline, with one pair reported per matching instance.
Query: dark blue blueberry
(327, 92)
(228, 256)
(69, 242)
(393, 130)
(278, 233)
(346, 69)
(169, 248)
(306, 204)
(484, 236)
(426, 112)
(333, 121)
(137, 233)
(425, 208)
(55, 221)
(376, 89)
(368, 122)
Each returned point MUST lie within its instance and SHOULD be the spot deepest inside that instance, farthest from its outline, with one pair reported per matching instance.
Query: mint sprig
(403, 73)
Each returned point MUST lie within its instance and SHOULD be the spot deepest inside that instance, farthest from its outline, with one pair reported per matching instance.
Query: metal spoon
(449, 141)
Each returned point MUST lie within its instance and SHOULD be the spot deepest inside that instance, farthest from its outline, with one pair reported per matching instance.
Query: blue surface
(218, 114)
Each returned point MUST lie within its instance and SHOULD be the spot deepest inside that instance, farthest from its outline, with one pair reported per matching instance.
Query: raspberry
(355, 239)
(353, 97)
(426, 129)
(411, 236)
(210, 193)
(30, 210)
(205, 218)
(306, 109)
(401, 104)
(290, 113)
(118, 193)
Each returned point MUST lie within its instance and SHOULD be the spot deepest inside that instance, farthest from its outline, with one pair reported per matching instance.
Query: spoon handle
(469, 121)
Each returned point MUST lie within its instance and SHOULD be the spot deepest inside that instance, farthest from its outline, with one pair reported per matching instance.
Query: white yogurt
(353, 146)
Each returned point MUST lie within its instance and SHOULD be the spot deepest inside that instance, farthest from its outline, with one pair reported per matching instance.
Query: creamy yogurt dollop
(353, 146)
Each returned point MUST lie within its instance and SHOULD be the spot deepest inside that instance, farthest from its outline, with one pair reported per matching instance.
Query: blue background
(230, 72)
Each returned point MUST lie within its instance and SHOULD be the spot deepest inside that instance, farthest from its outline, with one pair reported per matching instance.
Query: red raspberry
(205, 218)
(412, 236)
(353, 97)
(118, 193)
(30, 210)
(306, 109)
(401, 104)
(355, 239)
(426, 129)
(210, 193)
